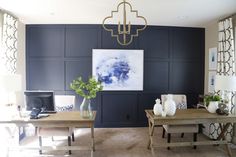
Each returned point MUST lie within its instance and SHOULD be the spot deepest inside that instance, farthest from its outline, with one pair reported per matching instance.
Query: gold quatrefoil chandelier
(123, 32)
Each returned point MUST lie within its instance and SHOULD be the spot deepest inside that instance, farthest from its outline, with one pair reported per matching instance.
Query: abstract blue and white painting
(118, 69)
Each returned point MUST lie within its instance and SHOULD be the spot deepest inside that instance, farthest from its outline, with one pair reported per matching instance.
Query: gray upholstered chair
(181, 103)
(63, 103)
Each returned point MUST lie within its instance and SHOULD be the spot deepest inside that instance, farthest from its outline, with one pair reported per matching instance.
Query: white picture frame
(118, 70)
(211, 81)
(213, 58)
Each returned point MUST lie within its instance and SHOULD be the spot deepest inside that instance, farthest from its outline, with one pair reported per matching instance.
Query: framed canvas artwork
(213, 58)
(118, 69)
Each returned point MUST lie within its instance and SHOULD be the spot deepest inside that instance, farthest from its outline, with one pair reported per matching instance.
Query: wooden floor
(123, 142)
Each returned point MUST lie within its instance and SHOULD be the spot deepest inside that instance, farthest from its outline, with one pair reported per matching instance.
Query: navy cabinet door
(119, 109)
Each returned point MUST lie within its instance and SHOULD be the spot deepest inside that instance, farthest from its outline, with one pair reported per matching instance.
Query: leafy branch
(88, 89)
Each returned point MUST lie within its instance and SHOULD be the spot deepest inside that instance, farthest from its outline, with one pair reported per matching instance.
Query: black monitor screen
(43, 100)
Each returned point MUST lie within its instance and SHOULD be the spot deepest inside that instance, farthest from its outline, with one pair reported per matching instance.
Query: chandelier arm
(124, 32)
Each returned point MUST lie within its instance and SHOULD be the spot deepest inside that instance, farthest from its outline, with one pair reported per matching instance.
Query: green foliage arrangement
(208, 98)
(88, 89)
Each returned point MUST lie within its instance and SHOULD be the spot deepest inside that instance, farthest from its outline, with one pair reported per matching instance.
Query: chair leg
(182, 135)
(73, 137)
(168, 139)
(69, 144)
(40, 144)
(163, 133)
(195, 139)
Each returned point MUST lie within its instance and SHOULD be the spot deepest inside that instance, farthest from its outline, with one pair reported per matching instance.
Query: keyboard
(48, 112)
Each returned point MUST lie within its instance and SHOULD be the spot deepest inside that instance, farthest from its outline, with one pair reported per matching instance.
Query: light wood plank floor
(124, 142)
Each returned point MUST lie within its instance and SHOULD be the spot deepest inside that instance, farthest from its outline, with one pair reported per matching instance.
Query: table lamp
(9, 84)
(226, 84)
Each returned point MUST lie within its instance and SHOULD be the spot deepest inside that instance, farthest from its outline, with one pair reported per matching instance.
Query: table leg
(11, 130)
(151, 131)
(223, 130)
(228, 150)
(91, 153)
(92, 138)
(222, 136)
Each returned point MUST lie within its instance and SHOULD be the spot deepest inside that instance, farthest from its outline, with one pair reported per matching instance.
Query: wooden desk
(190, 116)
(60, 119)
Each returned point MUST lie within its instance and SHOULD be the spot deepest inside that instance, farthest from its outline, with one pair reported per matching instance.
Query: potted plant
(211, 102)
(87, 90)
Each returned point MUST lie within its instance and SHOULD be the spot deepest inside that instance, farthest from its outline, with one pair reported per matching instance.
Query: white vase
(157, 109)
(170, 106)
(213, 106)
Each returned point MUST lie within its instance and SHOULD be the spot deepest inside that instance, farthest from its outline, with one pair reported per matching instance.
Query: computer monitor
(43, 100)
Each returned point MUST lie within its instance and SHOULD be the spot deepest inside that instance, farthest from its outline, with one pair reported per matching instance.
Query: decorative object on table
(87, 90)
(123, 33)
(211, 102)
(226, 85)
(222, 109)
(211, 81)
(118, 69)
(170, 106)
(213, 106)
(157, 109)
(212, 58)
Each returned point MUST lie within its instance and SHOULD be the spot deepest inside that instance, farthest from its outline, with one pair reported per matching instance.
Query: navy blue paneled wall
(173, 63)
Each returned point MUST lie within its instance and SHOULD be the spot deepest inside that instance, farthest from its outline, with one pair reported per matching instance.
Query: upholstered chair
(63, 103)
(181, 103)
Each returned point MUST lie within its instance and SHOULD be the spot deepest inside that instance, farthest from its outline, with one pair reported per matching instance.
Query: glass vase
(85, 108)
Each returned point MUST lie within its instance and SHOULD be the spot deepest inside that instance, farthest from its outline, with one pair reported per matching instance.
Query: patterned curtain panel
(226, 56)
(225, 66)
(9, 43)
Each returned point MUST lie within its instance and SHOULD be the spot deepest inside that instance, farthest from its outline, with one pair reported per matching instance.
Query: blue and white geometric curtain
(8, 48)
(226, 54)
(8, 43)
(225, 66)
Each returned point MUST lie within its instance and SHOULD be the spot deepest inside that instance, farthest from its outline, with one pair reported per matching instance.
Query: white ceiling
(189, 13)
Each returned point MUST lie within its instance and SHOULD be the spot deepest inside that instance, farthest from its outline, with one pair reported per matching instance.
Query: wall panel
(46, 74)
(75, 68)
(46, 41)
(156, 76)
(155, 42)
(80, 40)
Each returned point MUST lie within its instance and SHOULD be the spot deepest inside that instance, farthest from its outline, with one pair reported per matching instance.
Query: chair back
(179, 99)
(64, 103)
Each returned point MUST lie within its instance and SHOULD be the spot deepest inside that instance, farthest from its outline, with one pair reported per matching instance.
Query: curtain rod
(227, 17)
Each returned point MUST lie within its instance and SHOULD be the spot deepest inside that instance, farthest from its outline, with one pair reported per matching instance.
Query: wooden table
(190, 116)
(60, 119)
